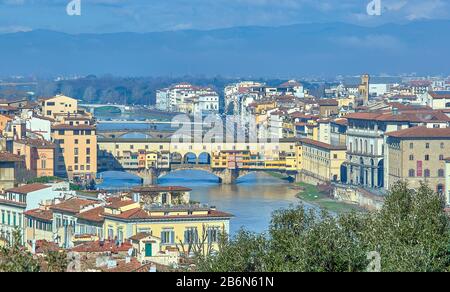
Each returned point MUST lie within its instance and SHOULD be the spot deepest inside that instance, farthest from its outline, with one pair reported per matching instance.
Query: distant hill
(279, 52)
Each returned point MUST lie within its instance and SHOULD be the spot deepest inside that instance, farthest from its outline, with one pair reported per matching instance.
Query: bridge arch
(204, 158)
(190, 158)
(135, 134)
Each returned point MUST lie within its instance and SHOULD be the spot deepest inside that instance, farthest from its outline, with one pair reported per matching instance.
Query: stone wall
(359, 196)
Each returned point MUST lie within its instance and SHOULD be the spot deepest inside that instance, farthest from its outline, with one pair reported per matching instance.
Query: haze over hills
(285, 51)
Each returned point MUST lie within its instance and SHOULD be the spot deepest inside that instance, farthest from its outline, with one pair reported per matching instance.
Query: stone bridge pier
(148, 176)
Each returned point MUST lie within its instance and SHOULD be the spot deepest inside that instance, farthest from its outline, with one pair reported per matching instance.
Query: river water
(252, 200)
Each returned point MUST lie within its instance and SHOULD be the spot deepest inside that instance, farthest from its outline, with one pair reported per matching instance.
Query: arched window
(441, 173)
(366, 149)
(427, 173)
(412, 173)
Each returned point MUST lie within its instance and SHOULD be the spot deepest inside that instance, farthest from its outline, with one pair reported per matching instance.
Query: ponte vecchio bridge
(154, 158)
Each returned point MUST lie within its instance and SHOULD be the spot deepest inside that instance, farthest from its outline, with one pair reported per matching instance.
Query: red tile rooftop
(9, 157)
(321, 144)
(440, 94)
(94, 215)
(36, 143)
(45, 215)
(26, 189)
(73, 205)
(44, 246)
(139, 214)
(105, 246)
(421, 132)
(116, 204)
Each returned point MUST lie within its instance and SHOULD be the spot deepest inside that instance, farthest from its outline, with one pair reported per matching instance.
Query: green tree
(410, 233)
(56, 261)
(15, 258)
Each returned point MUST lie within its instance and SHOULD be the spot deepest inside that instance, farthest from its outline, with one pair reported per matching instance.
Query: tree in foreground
(410, 233)
(15, 258)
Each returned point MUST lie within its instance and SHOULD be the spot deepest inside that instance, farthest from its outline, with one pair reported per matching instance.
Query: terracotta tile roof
(44, 215)
(26, 189)
(322, 145)
(139, 236)
(422, 132)
(139, 213)
(44, 246)
(94, 215)
(440, 94)
(402, 116)
(328, 102)
(116, 204)
(73, 205)
(105, 246)
(342, 122)
(38, 143)
(9, 157)
(123, 267)
(157, 189)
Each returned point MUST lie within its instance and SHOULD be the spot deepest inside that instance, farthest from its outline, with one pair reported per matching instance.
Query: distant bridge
(150, 133)
(92, 107)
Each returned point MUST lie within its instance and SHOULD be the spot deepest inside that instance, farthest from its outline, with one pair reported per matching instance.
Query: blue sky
(101, 16)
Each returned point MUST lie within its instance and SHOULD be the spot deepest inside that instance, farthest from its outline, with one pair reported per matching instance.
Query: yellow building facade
(58, 105)
(76, 150)
(177, 227)
(322, 161)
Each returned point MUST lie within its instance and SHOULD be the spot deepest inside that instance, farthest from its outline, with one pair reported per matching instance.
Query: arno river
(252, 200)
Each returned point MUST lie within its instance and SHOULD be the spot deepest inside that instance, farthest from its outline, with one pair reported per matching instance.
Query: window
(411, 157)
(167, 237)
(88, 151)
(411, 145)
(88, 141)
(427, 173)
(442, 146)
(191, 235)
(76, 141)
(43, 164)
(427, 145)
(412, 173)
(441, 157)
(427, 157)
(441, 173)
(213, 234)
(75, 151)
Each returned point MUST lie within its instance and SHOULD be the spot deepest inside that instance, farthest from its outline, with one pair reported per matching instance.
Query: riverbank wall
(356, 195)
(363, 198)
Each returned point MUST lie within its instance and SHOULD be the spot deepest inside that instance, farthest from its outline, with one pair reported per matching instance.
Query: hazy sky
(157, 15)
